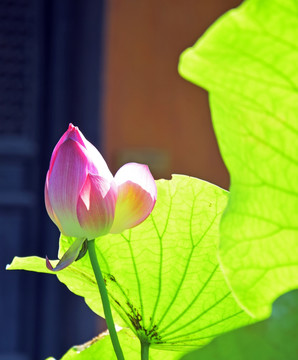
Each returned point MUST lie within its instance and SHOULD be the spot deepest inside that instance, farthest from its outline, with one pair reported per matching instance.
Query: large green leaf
(272, 339)
(101, 348)
(163, 276)
(248, 62)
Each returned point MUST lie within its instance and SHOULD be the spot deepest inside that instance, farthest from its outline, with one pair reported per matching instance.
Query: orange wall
(151, 114)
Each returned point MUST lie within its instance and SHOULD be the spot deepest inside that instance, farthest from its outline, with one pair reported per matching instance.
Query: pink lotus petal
(47, 200)
(72, 133)
(136, 196)
(96, 206)
(49, 208)
(64, 185)
(97, 164)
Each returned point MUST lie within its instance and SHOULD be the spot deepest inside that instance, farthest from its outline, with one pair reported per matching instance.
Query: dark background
(50, 61)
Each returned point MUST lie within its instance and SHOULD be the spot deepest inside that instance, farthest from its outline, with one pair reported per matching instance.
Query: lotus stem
(105, 300)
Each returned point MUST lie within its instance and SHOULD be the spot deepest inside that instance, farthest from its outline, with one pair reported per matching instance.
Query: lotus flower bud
(80, 194)
(84, 200)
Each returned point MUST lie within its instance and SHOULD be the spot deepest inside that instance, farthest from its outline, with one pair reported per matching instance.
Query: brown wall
(151, 114)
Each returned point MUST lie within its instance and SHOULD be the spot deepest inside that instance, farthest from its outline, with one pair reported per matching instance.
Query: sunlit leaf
(248, 62)
(101, 348)
(163, 276)
(272, 339)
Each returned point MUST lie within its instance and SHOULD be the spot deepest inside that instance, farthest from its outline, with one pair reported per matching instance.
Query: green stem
(144, 351)
(105, 300)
